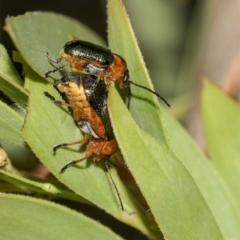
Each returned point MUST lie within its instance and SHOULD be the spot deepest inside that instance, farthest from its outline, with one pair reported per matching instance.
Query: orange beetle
(87, 98)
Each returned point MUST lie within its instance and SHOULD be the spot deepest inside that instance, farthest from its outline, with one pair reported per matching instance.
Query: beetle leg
(51, 60)
(69, 164)
(56, 69)
(129, 96)
(89, 152)
(57, 102)
(82, 141)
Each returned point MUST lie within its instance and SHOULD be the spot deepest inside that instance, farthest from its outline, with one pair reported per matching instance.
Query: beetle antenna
(117, 191)
(150, 91)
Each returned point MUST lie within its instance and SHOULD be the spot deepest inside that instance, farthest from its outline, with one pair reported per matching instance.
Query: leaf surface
(30, 218)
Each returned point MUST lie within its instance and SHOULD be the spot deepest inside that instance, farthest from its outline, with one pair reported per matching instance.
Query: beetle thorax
(116, 70)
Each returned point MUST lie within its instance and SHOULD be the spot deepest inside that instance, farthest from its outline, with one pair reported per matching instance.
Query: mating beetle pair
(97, 60)
(87, 96)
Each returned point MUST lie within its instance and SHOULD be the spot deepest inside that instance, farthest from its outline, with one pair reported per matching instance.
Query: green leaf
(223, 208)
(144, 106)
(28, 218)
(214, 191)
(211, 185)
(165, 183)
(10, 125)
(10, 82)
(37, 185)
(36, 33)
(221, 118)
